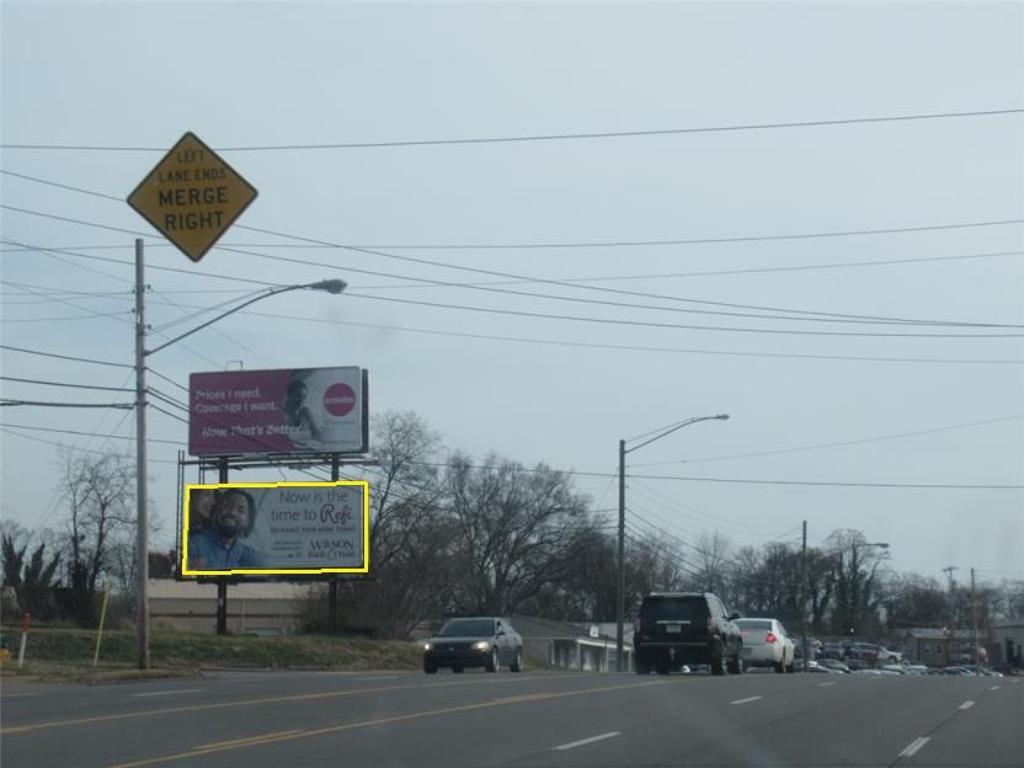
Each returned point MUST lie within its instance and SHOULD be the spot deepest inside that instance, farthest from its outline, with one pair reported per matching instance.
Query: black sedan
(478, 642)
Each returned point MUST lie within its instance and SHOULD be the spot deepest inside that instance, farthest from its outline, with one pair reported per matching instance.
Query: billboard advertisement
(302, 410)
(261, 529)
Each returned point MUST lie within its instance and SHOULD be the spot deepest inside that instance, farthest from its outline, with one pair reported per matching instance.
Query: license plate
(676, 628)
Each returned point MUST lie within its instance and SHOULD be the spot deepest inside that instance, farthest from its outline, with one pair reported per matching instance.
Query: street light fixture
(334, 286)
(620, 602)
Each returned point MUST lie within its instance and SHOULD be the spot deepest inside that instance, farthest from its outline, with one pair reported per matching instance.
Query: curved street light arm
(680, 425)
(331, 286)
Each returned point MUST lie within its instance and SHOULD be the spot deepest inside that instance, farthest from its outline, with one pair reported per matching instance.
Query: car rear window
(467, 628)
(766, 625)
(692, 609)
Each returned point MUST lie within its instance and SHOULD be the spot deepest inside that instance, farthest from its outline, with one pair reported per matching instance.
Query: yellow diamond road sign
(192, 196)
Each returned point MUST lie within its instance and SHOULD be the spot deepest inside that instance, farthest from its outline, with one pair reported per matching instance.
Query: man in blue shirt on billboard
(219, 546)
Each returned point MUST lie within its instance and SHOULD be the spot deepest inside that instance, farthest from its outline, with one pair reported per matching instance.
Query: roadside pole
(222, 583)
(141, 492)
(620, 592)
(24, 640)
(974, 622)
(803, 594)
(103, 619)
(332, 585)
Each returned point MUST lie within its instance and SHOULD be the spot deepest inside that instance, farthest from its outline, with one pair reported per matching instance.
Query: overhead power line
(66, 384)
(547, 136)
(810, 314)
(752, 481)
(82, 433)
(806, 315)
(52, 404)
(65, 357)
(579, 244)
(8, 429)
(837, 444)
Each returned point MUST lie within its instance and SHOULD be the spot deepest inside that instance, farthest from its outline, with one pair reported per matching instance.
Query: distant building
(1007, 644)
(585, 647)
(265, 608)
(938, 647)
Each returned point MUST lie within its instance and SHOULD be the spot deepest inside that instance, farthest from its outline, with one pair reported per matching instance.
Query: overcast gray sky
(122, 76)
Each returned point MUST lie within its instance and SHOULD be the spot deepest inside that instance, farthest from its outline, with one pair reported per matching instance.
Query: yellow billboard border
(184, 572)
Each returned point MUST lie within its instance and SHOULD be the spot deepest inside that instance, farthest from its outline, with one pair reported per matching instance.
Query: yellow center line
(17, 729)
(291, 736)
(250, 739)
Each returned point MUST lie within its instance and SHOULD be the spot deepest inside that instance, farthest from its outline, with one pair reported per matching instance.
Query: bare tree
(515, 530)
(712, 562)
(98, 492)
(409, 535)
(858, 593)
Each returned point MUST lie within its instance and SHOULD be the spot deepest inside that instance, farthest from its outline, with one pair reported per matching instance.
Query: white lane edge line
(384, 677)
(825, 685)
(168, 693)
(18, 695)
(746, 700)
(967, 704)
(591, 740)
(913, 747)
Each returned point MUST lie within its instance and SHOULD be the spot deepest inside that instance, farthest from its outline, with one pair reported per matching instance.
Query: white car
(766, 644)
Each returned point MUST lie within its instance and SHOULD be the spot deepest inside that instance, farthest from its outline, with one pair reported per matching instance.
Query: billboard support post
(222, 584)
(332, 585)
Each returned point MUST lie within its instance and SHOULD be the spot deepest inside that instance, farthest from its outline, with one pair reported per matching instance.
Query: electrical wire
(362, 249)
(65, 384)
(839, 444)
(7, 428)
(551, 136)
(53, 404)
(64, 357)
(156, 407)
(89, 434)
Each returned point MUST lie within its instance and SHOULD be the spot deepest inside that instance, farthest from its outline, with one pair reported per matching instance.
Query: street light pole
(620, 596)
(334, 286)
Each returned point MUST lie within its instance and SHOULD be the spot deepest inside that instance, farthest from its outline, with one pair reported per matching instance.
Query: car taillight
(771, 638)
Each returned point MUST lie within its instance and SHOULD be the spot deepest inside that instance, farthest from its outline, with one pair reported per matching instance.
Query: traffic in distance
(689, 633)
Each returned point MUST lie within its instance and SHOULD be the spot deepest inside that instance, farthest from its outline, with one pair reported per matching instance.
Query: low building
(264, 608)
(1007, 644)
(938, 647)
(584, 647)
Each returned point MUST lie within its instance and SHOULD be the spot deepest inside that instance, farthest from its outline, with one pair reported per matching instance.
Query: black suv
(677, 628)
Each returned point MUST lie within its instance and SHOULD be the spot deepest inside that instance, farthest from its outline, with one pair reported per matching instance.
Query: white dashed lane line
(584, 742)
(994, 688)
(825, 685)
(168, 693)
(967, 704)
(746, 700)
(913, 747)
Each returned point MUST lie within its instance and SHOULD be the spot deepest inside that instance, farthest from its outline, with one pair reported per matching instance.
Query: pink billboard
(302, 410)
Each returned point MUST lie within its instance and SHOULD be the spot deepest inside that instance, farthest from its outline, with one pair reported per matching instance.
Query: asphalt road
(530, 719)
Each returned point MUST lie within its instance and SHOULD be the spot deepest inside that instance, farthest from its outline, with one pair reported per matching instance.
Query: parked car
(888, 655)
(833, 651)
(677, 628)
(474, 642)
(858, 665)
(833, 665)
(766, 644)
